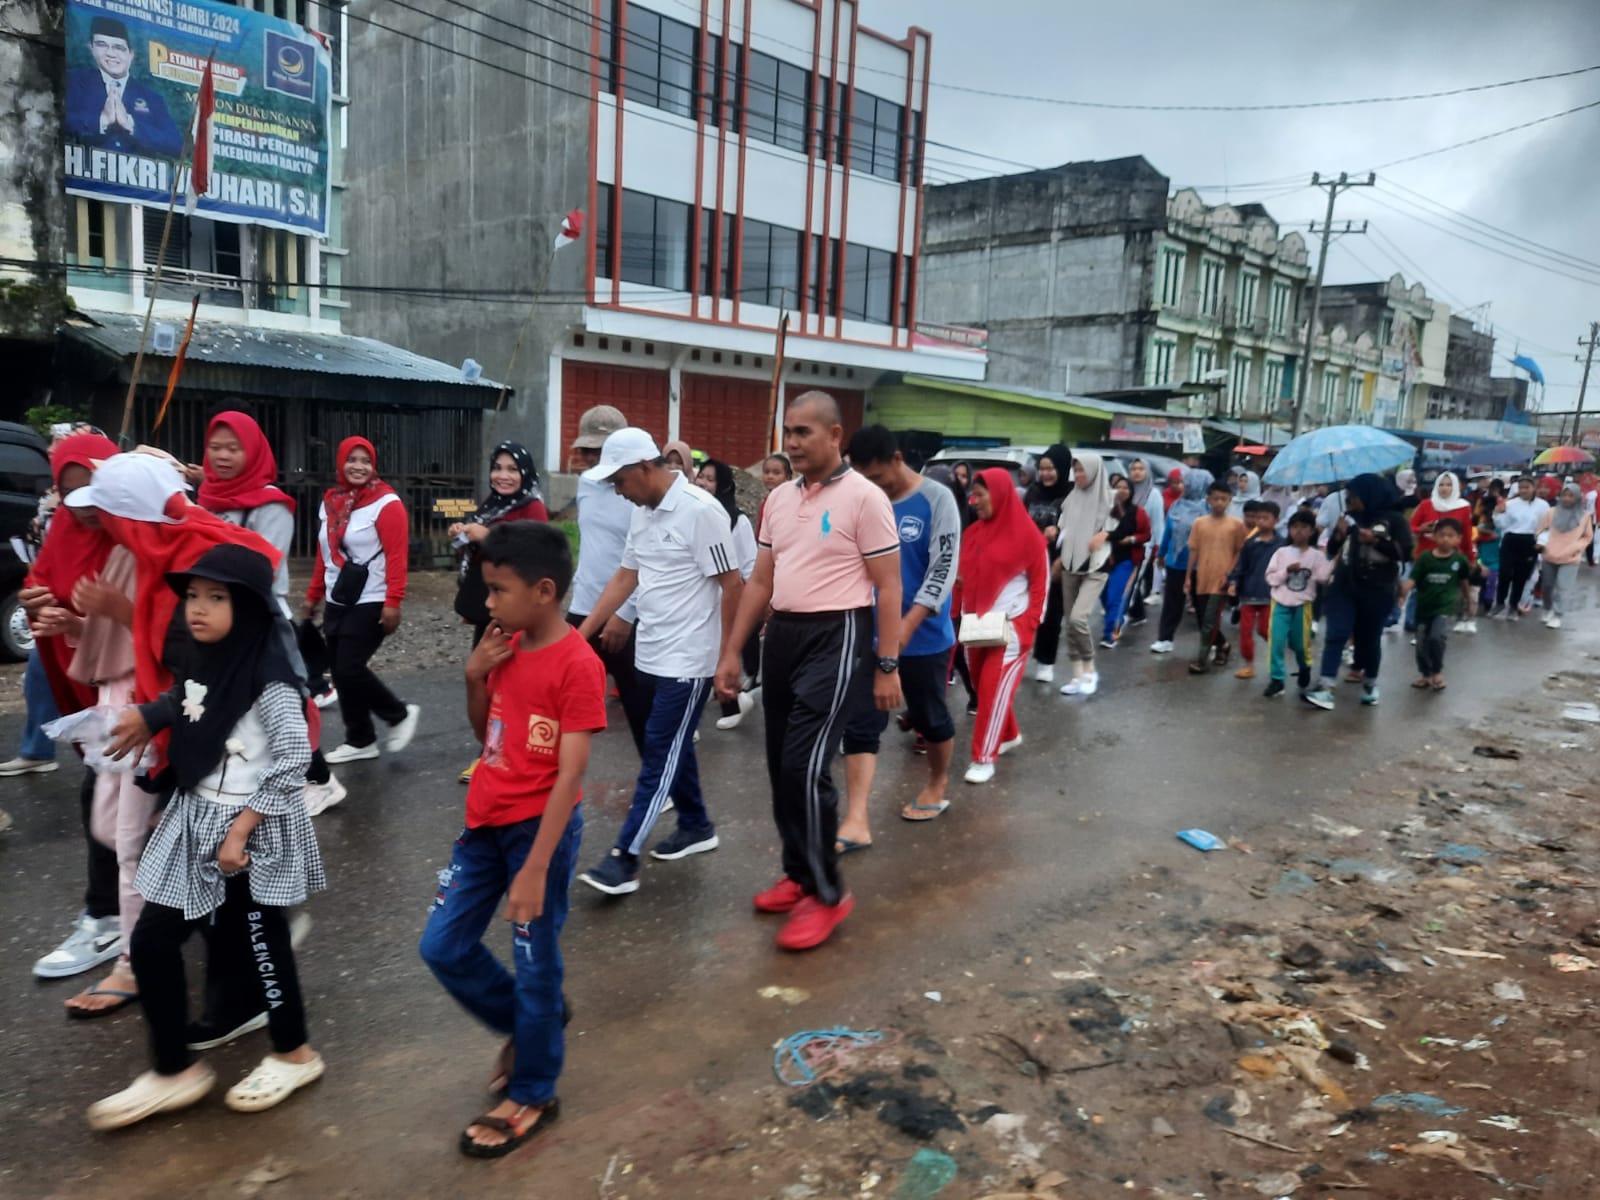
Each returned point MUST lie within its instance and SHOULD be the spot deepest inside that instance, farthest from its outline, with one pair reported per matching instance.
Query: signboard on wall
(1160, 429)
(133, 71)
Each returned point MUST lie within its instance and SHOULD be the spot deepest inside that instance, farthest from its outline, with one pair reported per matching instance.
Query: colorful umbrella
(1561, 456)
(1337, 453)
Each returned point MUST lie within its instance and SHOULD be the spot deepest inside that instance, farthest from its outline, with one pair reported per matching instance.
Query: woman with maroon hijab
(361, 573)
(1004, 567)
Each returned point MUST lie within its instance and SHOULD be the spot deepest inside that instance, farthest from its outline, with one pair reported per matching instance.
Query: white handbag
(992, 628)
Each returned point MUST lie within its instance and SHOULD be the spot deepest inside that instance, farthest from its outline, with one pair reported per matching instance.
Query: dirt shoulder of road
(1394, 998)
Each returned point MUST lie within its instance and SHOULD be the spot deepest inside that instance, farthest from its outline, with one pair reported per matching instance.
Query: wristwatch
(888, 665)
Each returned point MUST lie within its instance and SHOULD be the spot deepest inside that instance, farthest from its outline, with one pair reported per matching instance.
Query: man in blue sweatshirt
(1247, 582)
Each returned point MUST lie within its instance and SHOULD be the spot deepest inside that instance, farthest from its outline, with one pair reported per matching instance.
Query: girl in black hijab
(1370, 544)
(1043, 502)
(234, 848)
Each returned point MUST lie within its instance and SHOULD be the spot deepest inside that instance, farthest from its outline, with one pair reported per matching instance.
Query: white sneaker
(1109, 643)
(1554, 622)
(400, 736)
(150, 1094)
(91, 942)
(746, 703)
(348, 753)
(27, 766)
(979, 773)
(1044, 672)
(320, 797)
(1459, 627)
(1470, 626)
(1089, 684)
(1160, 647)
(326, 699)
(1073, 688)
(1008, 747)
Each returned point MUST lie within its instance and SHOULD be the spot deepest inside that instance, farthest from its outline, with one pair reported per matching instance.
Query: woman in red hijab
(1004, 567)
(361, 574)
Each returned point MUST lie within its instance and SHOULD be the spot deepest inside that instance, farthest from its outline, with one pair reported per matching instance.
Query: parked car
(24, 477)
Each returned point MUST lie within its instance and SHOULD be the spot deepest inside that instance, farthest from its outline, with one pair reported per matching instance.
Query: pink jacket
(1564, 548)
(1295, 575)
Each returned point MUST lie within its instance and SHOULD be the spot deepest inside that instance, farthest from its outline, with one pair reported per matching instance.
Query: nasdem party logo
(291, 66)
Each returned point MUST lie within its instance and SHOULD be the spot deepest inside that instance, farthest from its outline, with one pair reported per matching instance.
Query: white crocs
(271, 1083)
(150, 1094)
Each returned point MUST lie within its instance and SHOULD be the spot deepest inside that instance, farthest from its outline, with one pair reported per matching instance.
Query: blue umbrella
(1501, 454)
(1337, 453)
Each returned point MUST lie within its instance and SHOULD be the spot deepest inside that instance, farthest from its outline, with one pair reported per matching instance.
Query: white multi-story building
(736, 162)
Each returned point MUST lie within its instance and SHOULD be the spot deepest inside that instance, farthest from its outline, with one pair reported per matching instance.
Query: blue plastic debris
(928, 1173)
(1420, 1102)
(1458, 850)
(1294, 883)
(1201, 840)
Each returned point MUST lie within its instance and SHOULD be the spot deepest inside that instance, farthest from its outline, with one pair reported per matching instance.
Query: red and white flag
(200, 163)
(571, 228)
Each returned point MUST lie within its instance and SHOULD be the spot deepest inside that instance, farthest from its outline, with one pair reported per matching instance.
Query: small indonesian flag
(571, 228)
(200, 164)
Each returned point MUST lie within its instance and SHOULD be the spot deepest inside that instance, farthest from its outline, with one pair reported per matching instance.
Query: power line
(1467, 219)
(1473, 141)
(1592, 279)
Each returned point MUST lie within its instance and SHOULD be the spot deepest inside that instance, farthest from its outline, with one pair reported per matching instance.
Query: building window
(1352, 397)
(863, 282)
(1330, 392)
(716, 252)
(1171, 276)
(876, 130)
(1385, 330)
(1249, 281)
(1211, 270)
(1163, 354)
(1280, 307)
(1239, 384)
(1272, 383)
(1202, 361)
(657, 57)
(653, 247)
(769, 271)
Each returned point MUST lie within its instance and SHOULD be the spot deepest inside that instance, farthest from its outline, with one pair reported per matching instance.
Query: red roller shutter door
(640, 394)
(727, 418)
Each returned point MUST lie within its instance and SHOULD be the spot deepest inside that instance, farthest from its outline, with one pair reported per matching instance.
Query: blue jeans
(527, 1006)
(667, 766)
(1356, 614)
(1116, 597)
(41, 702)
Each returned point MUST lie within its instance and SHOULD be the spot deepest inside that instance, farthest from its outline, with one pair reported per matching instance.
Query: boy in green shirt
(1440, 577)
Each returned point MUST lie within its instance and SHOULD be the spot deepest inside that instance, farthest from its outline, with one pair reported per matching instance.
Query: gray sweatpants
(1432, 635)
(1555, 583)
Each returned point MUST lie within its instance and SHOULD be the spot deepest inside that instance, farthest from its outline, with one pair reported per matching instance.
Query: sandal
(124, 998)
(272, 1082)
(1419, 684)
(1438, 687)
(543, 1114)
(923, 812)
(842, 846)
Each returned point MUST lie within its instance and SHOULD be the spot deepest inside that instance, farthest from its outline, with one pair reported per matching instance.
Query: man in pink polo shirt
(826, 542)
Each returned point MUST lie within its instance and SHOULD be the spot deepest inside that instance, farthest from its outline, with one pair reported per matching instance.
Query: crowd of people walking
(169, 650)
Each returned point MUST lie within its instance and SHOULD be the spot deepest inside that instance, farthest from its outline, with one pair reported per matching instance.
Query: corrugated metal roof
(217, 342)
(1085, 405)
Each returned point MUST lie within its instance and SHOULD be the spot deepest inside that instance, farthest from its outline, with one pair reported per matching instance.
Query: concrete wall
(458, 178)
(1056, 265)
(33, 213)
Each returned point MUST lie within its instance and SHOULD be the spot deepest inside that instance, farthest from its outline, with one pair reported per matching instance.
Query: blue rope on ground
(803, 1058)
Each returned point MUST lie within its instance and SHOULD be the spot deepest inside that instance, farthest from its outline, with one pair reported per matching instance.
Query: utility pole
(1583, 385)
(1333, 187)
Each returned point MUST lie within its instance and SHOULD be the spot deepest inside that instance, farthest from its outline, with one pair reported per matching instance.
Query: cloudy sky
(1540, 184)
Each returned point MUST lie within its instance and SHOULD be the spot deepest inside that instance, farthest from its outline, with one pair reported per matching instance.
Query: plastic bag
(90, 730)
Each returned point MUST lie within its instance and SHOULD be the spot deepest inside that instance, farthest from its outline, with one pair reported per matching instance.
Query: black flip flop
(513, 1140)
(845, 846)
(90, 1014)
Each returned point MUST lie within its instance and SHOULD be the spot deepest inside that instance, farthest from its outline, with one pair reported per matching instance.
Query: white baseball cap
(623, 448)
(135, 486)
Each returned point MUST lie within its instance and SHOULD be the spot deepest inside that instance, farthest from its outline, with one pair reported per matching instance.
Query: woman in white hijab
(1246, 486)
(1084, 540)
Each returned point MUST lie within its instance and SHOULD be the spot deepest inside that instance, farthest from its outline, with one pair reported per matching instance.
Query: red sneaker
(813, 922)
(781, 897)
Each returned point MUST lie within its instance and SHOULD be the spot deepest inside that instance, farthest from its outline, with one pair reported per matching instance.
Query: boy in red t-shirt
(535, 695)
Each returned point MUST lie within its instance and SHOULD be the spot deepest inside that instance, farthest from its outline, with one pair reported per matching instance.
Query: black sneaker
(616, 875)
(208, 1033)
(1305, 679)
(1275, 688)
(684, 843)
(972, 706)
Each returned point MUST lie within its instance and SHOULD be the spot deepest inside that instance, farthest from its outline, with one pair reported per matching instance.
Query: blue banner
(133, 73)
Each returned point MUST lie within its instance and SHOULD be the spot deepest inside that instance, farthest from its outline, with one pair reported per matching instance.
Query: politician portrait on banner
(134, 69)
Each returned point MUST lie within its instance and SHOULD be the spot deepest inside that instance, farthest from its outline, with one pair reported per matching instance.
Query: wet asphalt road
(664, 983)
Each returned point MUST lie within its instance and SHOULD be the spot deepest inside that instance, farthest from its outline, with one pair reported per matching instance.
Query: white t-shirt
(744, 546)
(678, 548)
(1521, 516)
(603, 521)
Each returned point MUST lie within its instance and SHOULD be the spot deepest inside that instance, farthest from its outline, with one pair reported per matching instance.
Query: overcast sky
(1541, 184)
